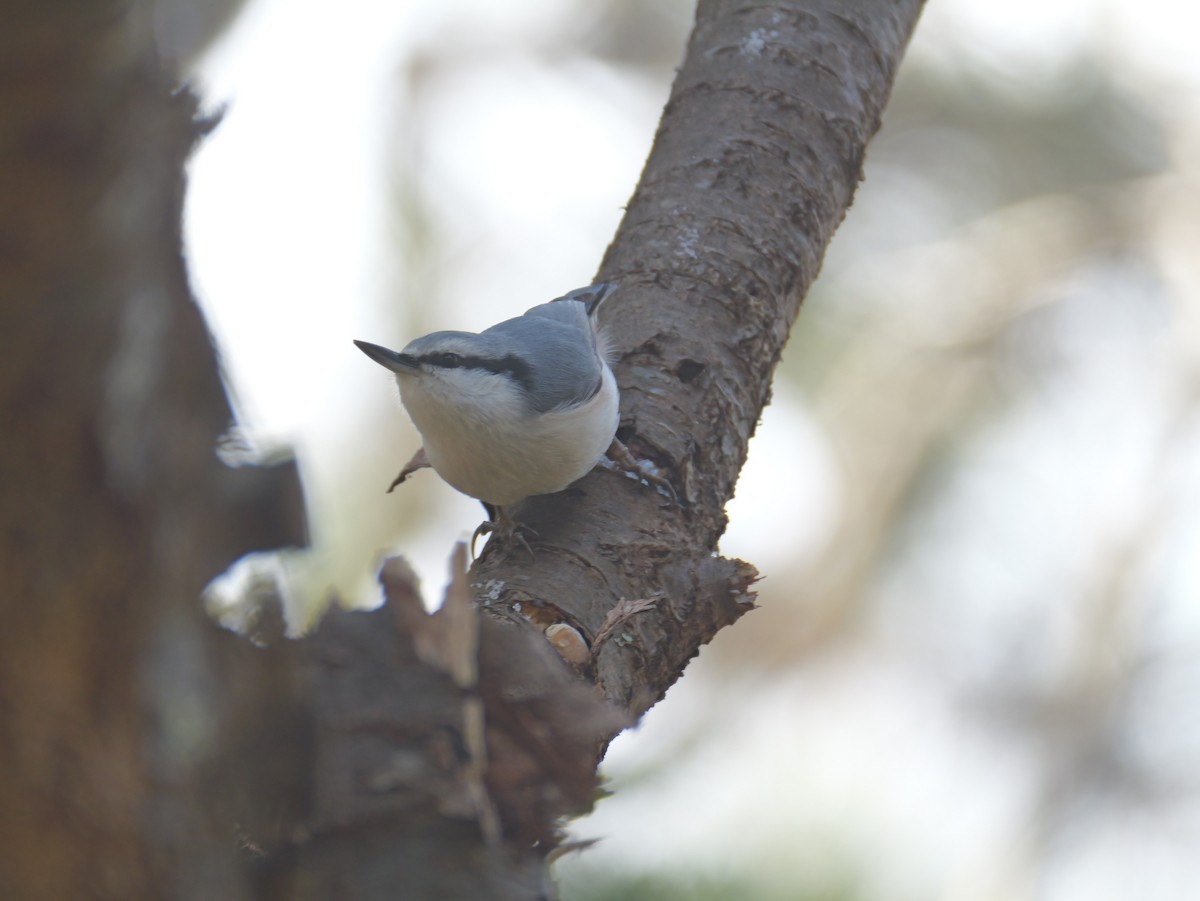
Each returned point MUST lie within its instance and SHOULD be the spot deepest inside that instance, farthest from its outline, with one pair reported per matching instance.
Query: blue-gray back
(558, 342)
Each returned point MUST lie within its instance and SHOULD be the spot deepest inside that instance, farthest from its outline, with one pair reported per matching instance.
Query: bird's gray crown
(550, 353)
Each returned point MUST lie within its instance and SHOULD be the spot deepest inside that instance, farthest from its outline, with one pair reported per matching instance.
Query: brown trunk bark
(114, 511)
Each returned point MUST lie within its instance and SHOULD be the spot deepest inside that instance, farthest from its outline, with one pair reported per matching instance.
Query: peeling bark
(446, 749)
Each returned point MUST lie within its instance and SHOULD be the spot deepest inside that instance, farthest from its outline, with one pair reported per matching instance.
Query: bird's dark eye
(450, 359)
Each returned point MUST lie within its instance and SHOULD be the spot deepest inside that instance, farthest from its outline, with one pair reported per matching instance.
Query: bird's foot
(504, 527)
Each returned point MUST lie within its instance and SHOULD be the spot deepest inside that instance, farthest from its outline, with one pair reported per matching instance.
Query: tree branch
(756, 159)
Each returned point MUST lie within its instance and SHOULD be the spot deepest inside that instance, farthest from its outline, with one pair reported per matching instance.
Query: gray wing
(558, 342)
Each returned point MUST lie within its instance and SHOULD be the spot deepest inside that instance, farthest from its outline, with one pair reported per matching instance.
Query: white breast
(498, 453)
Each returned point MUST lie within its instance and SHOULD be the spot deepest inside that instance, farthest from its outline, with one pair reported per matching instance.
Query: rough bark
(445, 750)
(756, 160)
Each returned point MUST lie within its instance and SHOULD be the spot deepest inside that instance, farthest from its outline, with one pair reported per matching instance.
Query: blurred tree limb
(390, 754)
(115, 691)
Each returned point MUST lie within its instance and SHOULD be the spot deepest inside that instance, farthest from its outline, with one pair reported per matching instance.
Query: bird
(523, 408)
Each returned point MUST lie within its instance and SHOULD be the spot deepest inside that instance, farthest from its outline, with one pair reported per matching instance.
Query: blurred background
(975, 499)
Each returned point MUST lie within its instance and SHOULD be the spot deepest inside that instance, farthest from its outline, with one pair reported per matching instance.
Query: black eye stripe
(512, 365)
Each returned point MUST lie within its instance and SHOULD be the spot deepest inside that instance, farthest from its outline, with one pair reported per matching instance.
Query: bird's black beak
(390, 359)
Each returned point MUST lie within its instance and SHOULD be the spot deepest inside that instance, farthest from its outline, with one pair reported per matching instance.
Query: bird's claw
(503, 527)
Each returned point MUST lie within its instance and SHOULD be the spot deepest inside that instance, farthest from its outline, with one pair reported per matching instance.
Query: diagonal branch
(757, 157)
